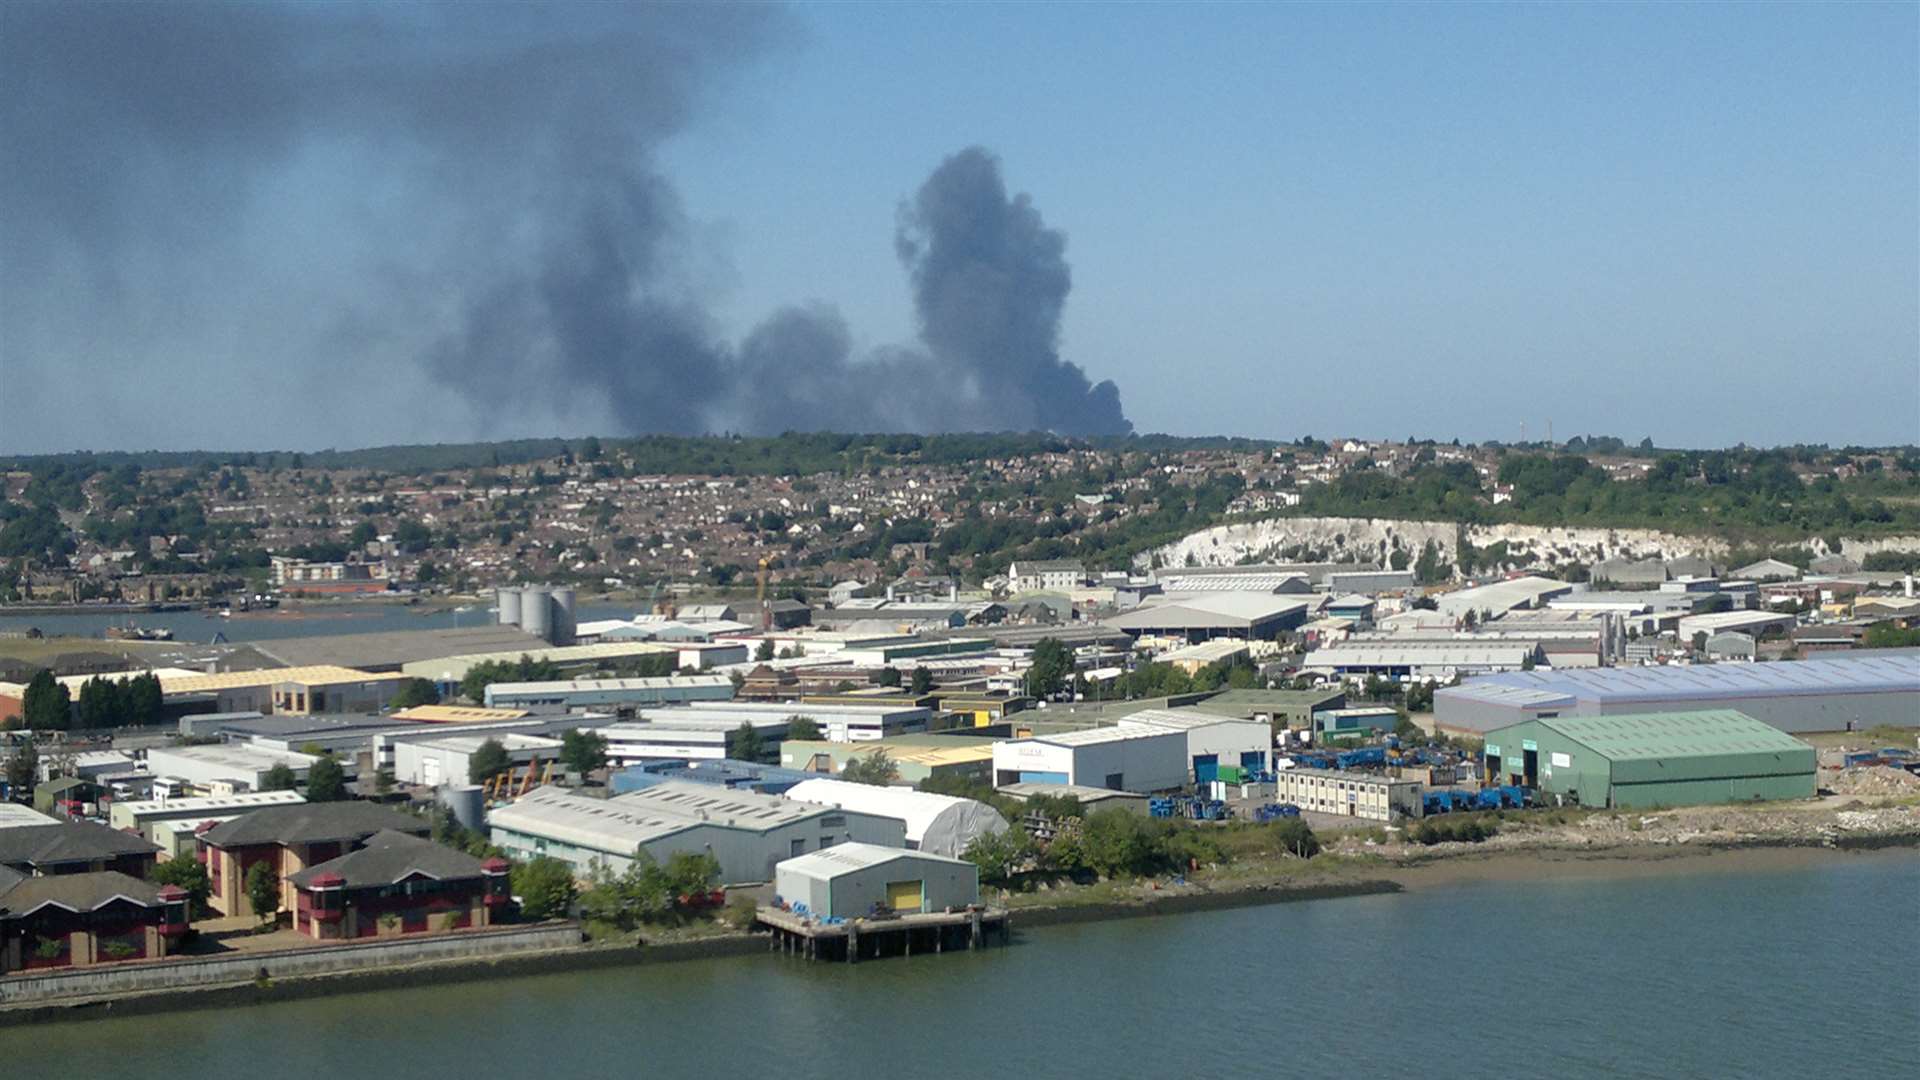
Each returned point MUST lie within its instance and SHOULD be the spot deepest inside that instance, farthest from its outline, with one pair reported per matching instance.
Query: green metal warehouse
(1653, 759)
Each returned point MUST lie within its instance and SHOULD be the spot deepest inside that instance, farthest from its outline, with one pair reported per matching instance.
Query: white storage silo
(563, 622)
(536, 614)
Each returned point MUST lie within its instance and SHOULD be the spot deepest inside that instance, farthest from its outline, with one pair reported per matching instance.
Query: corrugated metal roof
(1705, 682)
(1096, 736)
(846, 858)
(1644, 736)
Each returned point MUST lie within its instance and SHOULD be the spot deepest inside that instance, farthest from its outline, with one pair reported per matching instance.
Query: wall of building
(1346, 795)
(744, 855)
(855, 892)
(188, 973)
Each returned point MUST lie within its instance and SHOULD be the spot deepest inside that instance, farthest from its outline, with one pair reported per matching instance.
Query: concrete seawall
(200, 973)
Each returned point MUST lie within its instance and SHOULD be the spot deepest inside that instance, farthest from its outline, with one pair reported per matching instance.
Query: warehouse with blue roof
(1851, 693)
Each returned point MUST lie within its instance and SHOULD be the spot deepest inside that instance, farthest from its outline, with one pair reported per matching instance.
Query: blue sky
(1695, 222)
(296, 226)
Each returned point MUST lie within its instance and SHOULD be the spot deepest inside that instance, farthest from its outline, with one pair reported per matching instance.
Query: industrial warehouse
(1653, 759)
(1851, 694)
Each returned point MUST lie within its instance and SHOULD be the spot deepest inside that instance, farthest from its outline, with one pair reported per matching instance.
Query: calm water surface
(1809, 971)
(196, 628)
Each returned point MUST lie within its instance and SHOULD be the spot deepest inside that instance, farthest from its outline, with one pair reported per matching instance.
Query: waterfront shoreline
(1384, 877)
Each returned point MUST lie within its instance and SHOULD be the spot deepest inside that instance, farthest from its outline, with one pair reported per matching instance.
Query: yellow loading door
(903, 895)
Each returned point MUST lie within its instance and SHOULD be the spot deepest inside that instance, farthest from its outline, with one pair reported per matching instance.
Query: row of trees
(47, 705)
(1115, 843)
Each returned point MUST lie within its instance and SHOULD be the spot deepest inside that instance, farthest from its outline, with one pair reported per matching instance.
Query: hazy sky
(1699, 223)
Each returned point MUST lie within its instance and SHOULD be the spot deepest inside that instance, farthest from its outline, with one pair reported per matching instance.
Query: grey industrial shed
(853, 880)
(1850, 693)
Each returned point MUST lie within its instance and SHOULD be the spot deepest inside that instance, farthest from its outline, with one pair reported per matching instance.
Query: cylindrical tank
(467, 803)
(563, 623)
(508, 599)
(536, 615)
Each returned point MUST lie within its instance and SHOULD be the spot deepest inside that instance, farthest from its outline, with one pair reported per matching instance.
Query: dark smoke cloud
(357, 223)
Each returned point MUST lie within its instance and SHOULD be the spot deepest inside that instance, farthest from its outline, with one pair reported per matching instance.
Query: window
(796, 847)
(825, 841)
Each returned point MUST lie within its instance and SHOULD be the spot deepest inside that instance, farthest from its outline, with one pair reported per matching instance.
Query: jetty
(854, 940)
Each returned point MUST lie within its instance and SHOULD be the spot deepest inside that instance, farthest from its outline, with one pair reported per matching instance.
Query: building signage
(1528, 744)
(1562, 761)
(1492, 750)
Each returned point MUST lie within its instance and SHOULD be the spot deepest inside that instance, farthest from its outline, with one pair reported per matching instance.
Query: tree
(489, 761)
(583, 751)
(876, 768)
(745, 744)
(764, 651)
(889, 676)
(189, 874)
(545, 887)
(326, 780)
(803, 727)
(1000, 855)
(1052, 664)
(21, 769)
(142, 701)
(263, 890)
(1889, 635)
(922, 681)
(278, 778)
(46, 705)
(416, 692)
(99, 704)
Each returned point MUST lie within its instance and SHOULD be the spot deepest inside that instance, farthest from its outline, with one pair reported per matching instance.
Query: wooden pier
(870, 939)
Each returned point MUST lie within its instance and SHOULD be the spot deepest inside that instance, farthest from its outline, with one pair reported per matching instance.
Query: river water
(198, 627)
(1810, 969)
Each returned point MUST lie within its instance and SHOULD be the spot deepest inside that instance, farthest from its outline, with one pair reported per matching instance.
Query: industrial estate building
(941, 824)
(855, 880)
(1144, 759)
(1212, 741)
(609, 693)
(747, 832)
(1201, 616)
(1653, 759)
(1349, 794)
(1825, 694)
(917, 758)
(227, 768)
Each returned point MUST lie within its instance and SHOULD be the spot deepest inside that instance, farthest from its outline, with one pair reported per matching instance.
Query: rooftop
(1705, 682)
(75, 892)
(1708, 733)
(311, 823)
(67, 842)
(1199, 611)
(456, 714)
(1169, 720)
(250, 800)
(847, 858)
(393, 648)
(390, 858)
(1096, 736)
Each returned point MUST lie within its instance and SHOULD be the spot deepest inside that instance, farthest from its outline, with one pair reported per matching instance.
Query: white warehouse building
(941, 824)
(685, 737)
(1140, 759)
(747, 832)
(1212, 741)
(446, 760)
(852, 880)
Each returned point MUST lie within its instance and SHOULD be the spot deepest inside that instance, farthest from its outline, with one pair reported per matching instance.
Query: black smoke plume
(357, 223)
